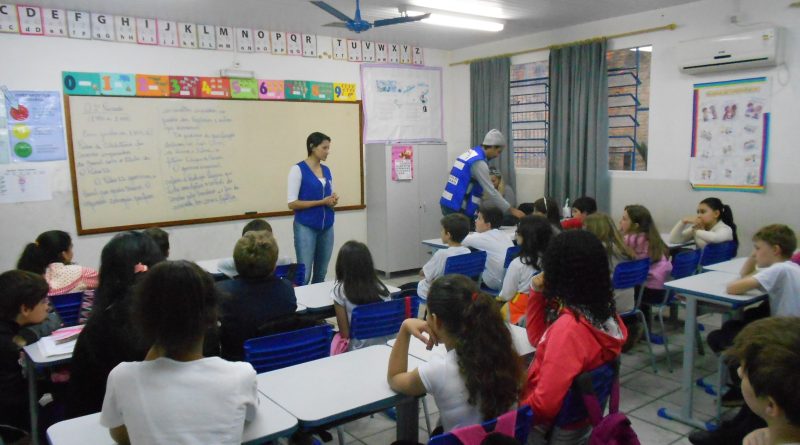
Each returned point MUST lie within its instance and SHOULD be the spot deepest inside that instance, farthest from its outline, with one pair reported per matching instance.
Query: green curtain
(577, 160)
(489, 92)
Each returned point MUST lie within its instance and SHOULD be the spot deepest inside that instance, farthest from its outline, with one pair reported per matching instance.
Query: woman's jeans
(313, 248)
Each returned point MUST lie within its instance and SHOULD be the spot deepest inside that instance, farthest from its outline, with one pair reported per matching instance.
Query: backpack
(475, 434)
(613, 429)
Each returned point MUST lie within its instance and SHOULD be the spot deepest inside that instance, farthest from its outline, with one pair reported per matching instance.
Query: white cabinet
(400, 214)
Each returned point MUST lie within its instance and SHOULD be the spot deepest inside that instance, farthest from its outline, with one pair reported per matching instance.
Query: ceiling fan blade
(397, 20)
(336, 25)
(331, 10)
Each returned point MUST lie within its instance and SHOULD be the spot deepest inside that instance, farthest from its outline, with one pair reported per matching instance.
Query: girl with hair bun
(713, 224)
(480, 377)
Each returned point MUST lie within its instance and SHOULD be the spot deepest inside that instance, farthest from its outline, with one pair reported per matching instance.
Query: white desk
(706, 287)
(317, 296)
(417, 348)
(665, 238)
(271, 422)
(436, 243)
(343, 386)
(733, 266)
(35, 359)
(210, 266)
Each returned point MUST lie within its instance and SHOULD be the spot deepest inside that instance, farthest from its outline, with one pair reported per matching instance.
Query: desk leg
(408, 420)
(687, 381)
(33, 403)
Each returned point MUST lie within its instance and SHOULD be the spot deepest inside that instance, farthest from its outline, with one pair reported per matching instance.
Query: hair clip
(474, 296)
(139, 267)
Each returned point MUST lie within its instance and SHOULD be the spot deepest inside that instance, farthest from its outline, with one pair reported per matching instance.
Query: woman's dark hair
(483, 343)
(725, 214)
(117, 261)
(536, 232)
(549, 208)
(48, 248)
(173, 306)
(20, 288)
(315, 139)
(355, 274)
(576, 275)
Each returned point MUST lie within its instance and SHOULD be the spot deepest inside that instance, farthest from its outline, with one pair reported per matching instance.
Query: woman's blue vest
(311, 189)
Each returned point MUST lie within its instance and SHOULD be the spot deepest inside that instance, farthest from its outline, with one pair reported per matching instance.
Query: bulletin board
(138, 162)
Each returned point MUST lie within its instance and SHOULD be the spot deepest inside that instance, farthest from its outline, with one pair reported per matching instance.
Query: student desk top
(733, 266)
(665, 238)
(271, 422)
(317, 296)
(342, 386)
(706, 287)
(418, 349)
(210, 266)
(34, 358)
(436, 243)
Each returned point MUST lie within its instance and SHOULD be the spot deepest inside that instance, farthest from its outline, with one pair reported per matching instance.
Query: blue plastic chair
(684, 265)
(717, 253)
(598, 382)
(68, 307)
(288, 348)
(511, 253)
(381, 319)
(283, 270)
(630, 274)
(469, 264)
(521, 429)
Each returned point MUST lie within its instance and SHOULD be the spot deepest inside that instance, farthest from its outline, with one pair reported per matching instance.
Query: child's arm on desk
(747, 280)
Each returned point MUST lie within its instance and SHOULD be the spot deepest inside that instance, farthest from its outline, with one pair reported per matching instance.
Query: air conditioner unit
(750, 49)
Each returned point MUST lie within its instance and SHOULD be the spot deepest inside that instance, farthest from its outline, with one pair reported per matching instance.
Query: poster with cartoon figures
(730, 135)
(35, 128)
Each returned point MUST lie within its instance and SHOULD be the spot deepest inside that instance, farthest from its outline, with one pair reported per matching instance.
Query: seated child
(255, 296)
(769, 353)
(581, 208)
(548, 208)
(468, 384)
(23, 301)
(583, 330)
(455, 228)
(494, 242)
(534, 233)
(602, 226)
(713, 224)
(161, 238)
(51, 256)
(357, 283)
(176, 395)
(227, 266)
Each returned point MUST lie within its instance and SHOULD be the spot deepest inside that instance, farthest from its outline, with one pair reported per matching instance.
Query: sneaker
(732, 398)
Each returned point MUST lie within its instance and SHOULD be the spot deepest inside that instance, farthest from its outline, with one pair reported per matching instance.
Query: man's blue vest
(462, 193)
(311, 189)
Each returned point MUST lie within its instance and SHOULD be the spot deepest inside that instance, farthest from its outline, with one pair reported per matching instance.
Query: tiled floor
(643, 392)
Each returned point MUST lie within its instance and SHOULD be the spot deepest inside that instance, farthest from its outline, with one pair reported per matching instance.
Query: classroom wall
(38, 62)
(664, 188)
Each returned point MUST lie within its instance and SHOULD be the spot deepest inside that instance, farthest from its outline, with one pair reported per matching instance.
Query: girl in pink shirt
(51, 256)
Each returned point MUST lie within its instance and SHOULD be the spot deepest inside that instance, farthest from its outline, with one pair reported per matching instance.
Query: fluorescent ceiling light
(479, 8)
(459, 22)
(646, 49)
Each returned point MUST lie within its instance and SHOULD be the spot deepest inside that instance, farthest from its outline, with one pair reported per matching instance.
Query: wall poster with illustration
(730, 135)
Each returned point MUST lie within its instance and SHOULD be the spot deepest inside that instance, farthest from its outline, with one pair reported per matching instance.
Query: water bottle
(567, 210)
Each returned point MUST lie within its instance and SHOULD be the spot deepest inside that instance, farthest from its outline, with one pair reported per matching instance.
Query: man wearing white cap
(469, 179)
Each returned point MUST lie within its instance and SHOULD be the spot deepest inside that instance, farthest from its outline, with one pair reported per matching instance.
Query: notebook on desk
(60, 342)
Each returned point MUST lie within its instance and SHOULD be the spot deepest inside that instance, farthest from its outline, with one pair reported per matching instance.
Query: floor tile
(630, 400)
(382, 438)
(367, 426)
(649, 413)
(650, 384)
(651, 434)
(702, 402)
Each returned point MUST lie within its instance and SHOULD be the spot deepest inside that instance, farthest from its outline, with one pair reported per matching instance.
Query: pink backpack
(614, 428)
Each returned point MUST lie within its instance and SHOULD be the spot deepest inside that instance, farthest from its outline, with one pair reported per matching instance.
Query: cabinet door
(402, 225)
(432, 175)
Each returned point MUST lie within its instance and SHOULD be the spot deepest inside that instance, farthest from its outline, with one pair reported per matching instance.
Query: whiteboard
(138, 162)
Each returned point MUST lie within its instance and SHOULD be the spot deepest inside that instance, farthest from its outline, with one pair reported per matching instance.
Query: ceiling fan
(356, 24)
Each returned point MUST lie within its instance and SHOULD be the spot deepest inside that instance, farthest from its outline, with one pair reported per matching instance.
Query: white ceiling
(524, 16)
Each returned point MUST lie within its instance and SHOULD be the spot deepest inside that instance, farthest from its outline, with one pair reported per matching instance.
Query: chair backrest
(597, 381)
(287, 349)
(631, 273)
(295, 272)
(511, 253)
(68, 307)
(521, 429)
(469, 264)
(685, 263)
(381, 319)
(717, 253)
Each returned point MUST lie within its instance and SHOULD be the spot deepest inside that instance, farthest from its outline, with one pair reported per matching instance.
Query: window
(628, 110)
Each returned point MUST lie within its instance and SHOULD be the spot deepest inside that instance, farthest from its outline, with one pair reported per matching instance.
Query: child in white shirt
(455, 228)
(176, 395)
(494, 242)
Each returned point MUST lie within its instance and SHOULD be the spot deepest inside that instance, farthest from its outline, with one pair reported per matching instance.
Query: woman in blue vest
(312, 199)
